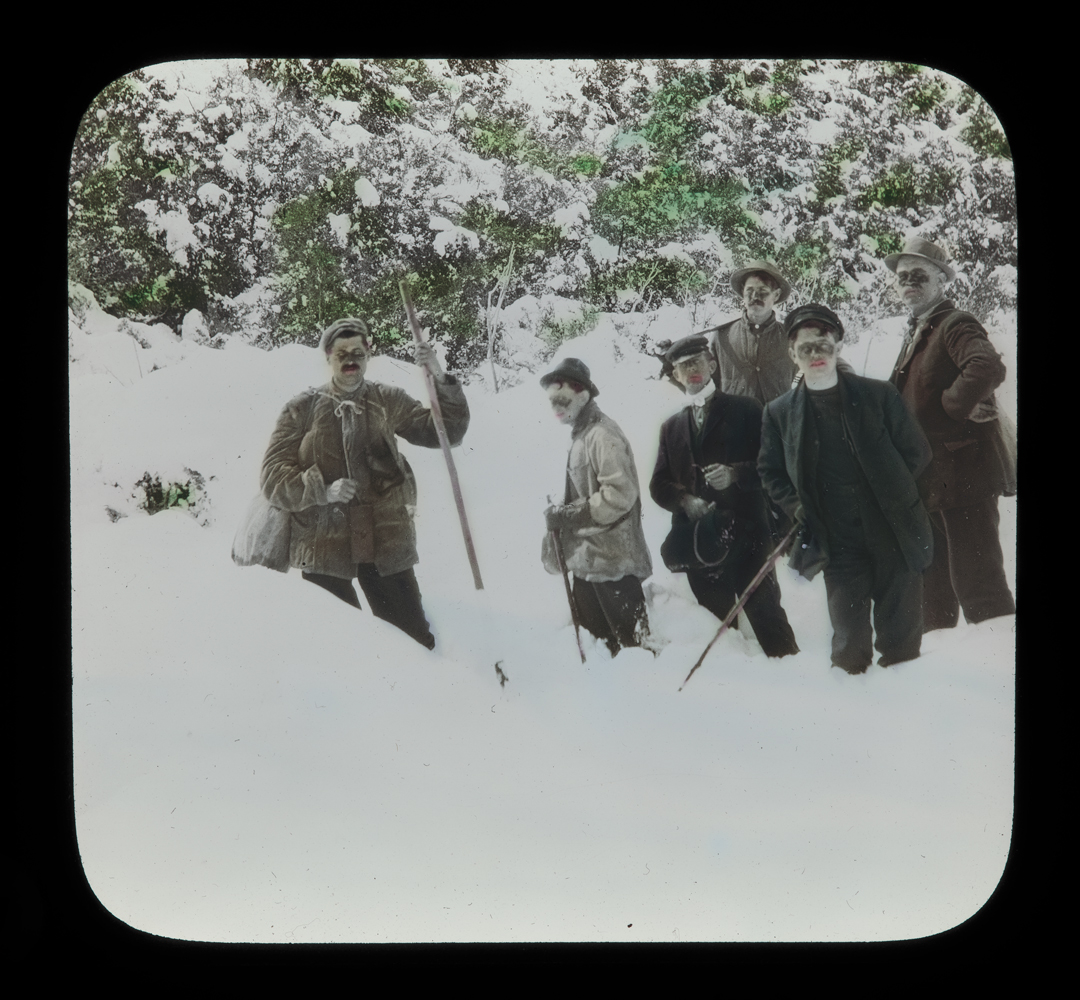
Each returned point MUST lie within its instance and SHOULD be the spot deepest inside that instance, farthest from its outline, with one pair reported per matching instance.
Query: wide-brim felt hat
(816, 313)
(571, 370)
(918, 247)
(739, 276)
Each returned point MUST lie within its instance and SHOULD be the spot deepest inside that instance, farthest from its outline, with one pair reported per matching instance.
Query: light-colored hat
(350, 326)
(738, 277)
(918, 247)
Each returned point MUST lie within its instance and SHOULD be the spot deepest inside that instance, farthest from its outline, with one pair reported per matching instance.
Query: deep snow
(255, 761)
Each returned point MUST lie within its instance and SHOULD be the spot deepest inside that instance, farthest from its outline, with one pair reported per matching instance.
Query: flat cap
(816, 314)
(686, 348)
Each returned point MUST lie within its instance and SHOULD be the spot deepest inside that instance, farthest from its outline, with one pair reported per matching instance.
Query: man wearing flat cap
(947, 372)
(598, 524)
(840, 454)
(706, 475)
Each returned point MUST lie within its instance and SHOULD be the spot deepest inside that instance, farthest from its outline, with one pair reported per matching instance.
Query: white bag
(263, 536)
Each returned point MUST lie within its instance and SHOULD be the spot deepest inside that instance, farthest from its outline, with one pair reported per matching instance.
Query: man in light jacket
(598, 524)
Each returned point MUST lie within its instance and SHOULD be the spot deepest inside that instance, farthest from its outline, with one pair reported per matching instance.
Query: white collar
(701, 398)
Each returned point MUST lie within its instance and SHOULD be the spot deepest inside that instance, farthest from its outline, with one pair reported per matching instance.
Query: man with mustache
(706, 475)
(840, 453)
(751, 351)
(334, 464)
(598, 524)
(947, 372)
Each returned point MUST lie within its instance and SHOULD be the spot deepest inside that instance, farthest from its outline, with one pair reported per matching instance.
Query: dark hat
(686, 348)
(350, 326)
(738, 277)
(918, 247)
(571, 370)
(816, 313)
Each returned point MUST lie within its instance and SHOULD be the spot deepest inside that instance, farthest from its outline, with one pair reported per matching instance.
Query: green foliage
(187, 194)
(983, 134)
(158, 497)
(667, 203)
(554, 332)
(904, 185)
(509, 140)
(645, 280)
(828, 180)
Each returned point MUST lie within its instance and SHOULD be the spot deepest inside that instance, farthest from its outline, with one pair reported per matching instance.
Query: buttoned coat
(888, 445)
(730, 436)
(948, 381)
(308, 452)
(600, 469)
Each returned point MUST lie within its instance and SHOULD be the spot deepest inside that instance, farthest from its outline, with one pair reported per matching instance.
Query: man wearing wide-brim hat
(751, 350)
(706, 476)
(947, 372)
(598, 525)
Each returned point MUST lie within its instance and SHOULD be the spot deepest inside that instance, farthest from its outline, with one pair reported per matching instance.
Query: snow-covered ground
(256, 761)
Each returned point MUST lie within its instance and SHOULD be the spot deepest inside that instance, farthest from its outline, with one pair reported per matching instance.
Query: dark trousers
(613, 611)
(968, 570)
(866, 566)
(394, 599)
(719, 592)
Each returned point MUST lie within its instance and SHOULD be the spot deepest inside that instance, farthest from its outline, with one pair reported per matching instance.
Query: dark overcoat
(321, 437)
(948, 382)
(731, 436)
(888, 444)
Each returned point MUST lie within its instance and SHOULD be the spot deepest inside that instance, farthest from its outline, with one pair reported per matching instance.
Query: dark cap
(570, 370)
(816, 314)
(696, 343)
(350, 326)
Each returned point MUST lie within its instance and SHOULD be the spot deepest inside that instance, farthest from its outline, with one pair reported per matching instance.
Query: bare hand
(341, 490)
(694, 507)
(426, 357)
(719, 477)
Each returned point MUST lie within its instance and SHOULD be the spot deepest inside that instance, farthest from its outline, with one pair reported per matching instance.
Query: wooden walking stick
(761, 574)
(569, 593)
(444, 441)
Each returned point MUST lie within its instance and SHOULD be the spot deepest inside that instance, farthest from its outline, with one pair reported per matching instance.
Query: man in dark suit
(947, 372)
(706, 475)
(840, 453)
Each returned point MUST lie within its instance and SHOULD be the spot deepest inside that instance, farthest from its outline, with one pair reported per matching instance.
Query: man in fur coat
(947, 372)
(598, 524)
(333, 462)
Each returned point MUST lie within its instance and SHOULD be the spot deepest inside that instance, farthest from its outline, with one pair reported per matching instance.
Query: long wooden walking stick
(761, 574)
(444, 441)
(569, 593)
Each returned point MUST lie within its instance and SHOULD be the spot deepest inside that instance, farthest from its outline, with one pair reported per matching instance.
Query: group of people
(890, 488)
